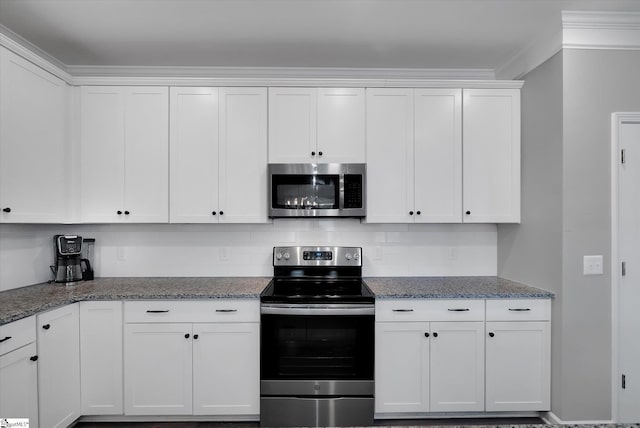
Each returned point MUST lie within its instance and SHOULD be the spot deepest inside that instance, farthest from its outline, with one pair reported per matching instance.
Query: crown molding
(531, 57)
(601, 30)
(34, 54)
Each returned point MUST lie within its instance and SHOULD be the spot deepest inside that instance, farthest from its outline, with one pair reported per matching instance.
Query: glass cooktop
(317, 290)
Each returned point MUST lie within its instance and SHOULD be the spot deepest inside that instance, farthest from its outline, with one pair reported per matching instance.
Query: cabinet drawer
(519, 310)
(17, 334)
(430, 310)
(218, 310)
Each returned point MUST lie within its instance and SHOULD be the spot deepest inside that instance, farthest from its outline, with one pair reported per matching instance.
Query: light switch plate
(593, 265)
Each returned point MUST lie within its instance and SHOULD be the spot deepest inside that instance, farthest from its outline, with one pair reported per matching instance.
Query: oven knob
(287, 256)
(356, 256)
(348, 256)
(278, 256)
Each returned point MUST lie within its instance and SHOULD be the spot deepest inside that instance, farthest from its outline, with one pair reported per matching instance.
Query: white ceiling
(426, 34)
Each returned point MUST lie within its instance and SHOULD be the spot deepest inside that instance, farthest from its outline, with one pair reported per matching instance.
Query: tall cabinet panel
(194, 155)
(33, 143)
(491, 157)
(389, 155)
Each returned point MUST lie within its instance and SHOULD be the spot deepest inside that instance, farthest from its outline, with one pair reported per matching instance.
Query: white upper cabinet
(124, 154)
(33, 143)
(218, 155)
(320, 125)
(491, 156)
(414, 145)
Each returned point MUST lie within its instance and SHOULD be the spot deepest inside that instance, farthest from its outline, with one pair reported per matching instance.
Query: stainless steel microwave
(317, 190)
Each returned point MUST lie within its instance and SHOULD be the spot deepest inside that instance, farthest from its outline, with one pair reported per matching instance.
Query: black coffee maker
(68, 257)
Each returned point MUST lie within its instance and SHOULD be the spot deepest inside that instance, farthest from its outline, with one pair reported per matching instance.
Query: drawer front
(430, 310)
(519, 310)
(17, 334)
(218, 310)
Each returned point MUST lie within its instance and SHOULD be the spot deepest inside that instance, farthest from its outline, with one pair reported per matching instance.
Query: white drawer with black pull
(519, 310)
(17, 334)
(430, 310)
(214, 310)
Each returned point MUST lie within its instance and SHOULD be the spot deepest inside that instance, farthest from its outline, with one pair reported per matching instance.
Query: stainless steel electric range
(317, 340)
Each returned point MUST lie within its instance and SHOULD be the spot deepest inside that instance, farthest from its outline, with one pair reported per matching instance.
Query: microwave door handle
(341, 192)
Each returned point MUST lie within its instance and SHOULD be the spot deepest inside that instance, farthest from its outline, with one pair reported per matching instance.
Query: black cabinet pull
(186, 336)
(410, 212)
(319, 153)
(491, 334)
(226, 310)
(435, 334)
(46, 326)
(221, 212)
(426, 335)
(468, 213)
(119, 212)
(34, 358)
(418, 212)
(195, 336)
(213, 213)
(313, 153)
(458, 310)
(163, 311)
(7, 210)
(126, 213)
(519, 309)
(402, 310)
(5, 339)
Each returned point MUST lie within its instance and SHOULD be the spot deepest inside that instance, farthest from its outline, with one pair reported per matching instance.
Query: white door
(59, 366)
(33, 138)
(243, 155)
(629, 252)
(457, 366)
(491, 155)
(102, 122)
(226, 369)
(146, 195)
(101, 358)
(194, 155)
(292, 125)
(19, 384)
(390, 177)
(518, 370)
(438, 155)
(402, 367)
(341, 125)
(157, 369)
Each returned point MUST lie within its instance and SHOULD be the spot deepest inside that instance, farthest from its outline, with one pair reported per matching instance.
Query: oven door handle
(317, 309)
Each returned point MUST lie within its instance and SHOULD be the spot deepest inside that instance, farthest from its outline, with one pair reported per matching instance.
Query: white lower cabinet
(101, 358)
(176, 367)
(59, 366)
(19, 371)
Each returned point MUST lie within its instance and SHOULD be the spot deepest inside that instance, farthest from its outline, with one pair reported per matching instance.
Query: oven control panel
(317, 256)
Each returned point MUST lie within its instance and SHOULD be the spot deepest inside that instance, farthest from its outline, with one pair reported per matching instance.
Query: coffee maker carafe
(68, 250)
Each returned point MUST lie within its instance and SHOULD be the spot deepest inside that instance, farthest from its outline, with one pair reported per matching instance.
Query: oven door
(317, 343)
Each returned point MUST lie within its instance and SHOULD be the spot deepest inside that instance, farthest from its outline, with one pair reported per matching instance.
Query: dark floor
(493, 422)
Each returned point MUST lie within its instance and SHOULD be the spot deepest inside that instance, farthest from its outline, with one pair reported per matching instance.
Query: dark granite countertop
(453, 287)
(23, 302)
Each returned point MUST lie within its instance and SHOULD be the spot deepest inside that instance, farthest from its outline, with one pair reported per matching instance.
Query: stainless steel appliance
(67, 250)
(317, 190)
(317, 340)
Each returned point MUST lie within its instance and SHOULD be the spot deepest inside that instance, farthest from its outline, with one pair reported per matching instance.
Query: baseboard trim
(552, 419)
(460, 415)
(172, 418)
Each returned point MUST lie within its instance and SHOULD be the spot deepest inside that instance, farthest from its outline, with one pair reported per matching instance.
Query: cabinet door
(194, 155)
(33, 136)
(491, 155)
(292, 125)
(226, 369)
(457, 366)
(146, 154)
(157, 369)
(390, 176)
(102, 153)
(243, 155)
(341, 125)
(59, 366)
(101, 358)
(518, 366)
(19, 384)
(402, 367)
(438, 155)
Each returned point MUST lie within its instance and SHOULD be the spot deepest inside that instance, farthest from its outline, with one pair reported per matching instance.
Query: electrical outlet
(121, 254)
(378, 253)
(224, 254)
(592, 265)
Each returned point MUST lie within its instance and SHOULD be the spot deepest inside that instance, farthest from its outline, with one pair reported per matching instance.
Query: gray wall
(531, 252)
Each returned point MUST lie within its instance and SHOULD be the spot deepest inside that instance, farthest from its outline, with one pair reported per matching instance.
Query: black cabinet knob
(126, 213)
(426, 335)
(186, 336)
(491, 334)
(221, 212)
(34, 358)
(319, 153)
(313, 153)
(410, 212)
(468, 213)
(46, 326)
(6, 210)
(213, 213)
(435, 334)
(119, 212)
(418, 212)
(195, 336)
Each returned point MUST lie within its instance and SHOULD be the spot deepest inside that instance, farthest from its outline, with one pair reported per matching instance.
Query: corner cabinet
(34, 110)
(124, 154)
(218, 155)
(316, 125)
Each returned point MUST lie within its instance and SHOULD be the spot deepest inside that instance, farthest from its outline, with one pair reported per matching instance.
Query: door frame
(617, 119)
